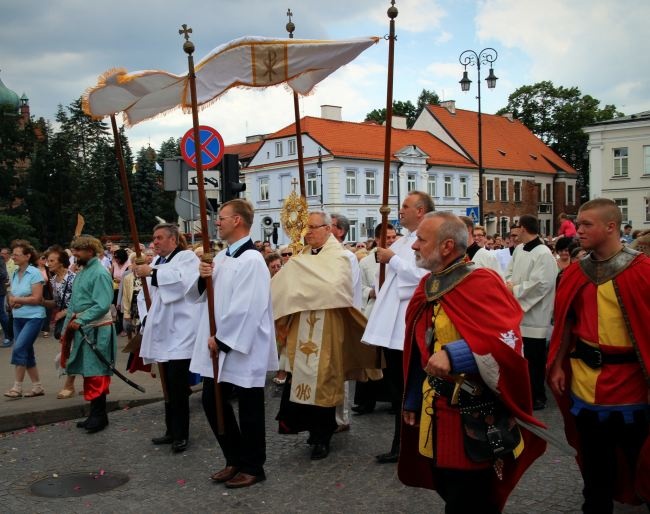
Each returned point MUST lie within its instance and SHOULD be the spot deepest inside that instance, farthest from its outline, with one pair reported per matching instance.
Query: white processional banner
(247, 61)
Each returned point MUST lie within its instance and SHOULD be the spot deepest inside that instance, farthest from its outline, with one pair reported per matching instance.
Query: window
(490, 190)
(464, 191)
(353, 234)
(448, 186)
(503, 190)
(292, 147)
(622, 205)
(647, 209)
(391, 185)
(570, 198)
(620, 162)
(370, 228)
(410, 182)
(351, 182)
(312, 184)
(505, 226)
(517, 191)
(370, 183)
(549, 196)
(264, 189)
(646, 160)
(431, 186)
(278, 149)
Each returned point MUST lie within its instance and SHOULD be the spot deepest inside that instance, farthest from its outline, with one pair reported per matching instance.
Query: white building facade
(619, 165)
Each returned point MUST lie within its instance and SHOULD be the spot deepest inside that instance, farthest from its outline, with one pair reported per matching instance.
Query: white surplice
(386, 324)
(170, 329)
(487, 259)
(369, 268)
(244, 319)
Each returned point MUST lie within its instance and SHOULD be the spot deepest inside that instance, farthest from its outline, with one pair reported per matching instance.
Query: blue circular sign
(211, 146)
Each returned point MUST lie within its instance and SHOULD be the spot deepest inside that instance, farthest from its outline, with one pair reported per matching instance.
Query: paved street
(348, 481)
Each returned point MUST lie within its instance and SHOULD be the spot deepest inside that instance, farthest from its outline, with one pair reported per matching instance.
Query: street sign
(211, 147)
(210, 180)
(472, 212)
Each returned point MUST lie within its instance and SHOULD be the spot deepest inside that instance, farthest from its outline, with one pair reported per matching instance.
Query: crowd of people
(455, 335)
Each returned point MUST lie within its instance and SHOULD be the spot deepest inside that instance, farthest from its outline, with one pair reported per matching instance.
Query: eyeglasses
(221, 218)
(286, 254)
(315, 227)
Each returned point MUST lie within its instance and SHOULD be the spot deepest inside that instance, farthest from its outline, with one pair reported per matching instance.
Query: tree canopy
(48, 176)
(406, 109)
(557, 115)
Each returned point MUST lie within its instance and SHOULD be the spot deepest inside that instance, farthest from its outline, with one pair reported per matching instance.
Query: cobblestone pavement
(348, 481)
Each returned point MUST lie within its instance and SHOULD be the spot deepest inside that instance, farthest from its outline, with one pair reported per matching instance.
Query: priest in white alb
(386, 324)
(170, 327)
(245, 341)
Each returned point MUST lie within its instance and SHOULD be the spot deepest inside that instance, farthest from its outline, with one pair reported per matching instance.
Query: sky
(52, 51)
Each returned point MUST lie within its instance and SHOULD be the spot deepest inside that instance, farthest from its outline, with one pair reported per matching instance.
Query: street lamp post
(320, 172)
(471, 58)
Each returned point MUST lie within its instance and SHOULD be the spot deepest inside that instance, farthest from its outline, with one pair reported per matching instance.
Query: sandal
(14, 393)
(63, 394)
(34, 392)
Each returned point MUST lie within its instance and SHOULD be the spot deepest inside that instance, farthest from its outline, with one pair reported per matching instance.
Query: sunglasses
(286, 254)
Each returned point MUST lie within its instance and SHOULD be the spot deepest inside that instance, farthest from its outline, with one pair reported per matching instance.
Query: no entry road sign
(211, 147)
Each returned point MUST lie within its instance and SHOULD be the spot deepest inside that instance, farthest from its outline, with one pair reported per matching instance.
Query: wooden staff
(296, 112)
(188, 48)
(385, 209)
(139, 259)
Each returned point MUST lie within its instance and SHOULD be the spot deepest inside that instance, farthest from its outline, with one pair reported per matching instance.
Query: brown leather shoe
(244, 480)
(225, 474)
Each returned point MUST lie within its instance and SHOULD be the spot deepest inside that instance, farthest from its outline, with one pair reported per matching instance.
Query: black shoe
(96, 424)
(179, 446)
(539, 405)
(98, 420)
(362, 409)
(320, 451)
(82, 424)
(166, 439)
(388, 458)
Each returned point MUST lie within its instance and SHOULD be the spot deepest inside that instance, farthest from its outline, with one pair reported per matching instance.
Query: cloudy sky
(54, 50)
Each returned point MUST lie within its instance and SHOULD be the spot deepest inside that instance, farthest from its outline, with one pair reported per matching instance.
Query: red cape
(634, 287)
(482, 310)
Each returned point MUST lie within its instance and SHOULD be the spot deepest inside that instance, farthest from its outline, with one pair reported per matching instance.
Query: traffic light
(230, 185)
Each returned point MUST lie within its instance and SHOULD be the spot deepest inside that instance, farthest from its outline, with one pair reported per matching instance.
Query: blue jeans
(4, 319)
(25, 333)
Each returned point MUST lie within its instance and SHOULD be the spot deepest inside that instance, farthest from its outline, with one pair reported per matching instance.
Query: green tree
(557, 116)
(406, 109)
(15, 227)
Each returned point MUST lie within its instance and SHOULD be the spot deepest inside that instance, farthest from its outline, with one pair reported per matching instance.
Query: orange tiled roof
(244, 150)
(366, 141)
(507, 145)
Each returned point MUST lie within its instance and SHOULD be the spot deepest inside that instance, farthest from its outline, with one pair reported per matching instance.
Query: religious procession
(460, 335)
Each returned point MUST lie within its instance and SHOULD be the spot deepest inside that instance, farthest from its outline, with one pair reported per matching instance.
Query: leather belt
(596, 359)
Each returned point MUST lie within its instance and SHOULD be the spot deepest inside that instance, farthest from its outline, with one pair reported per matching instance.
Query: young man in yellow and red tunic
(599, 360)
(451, 331)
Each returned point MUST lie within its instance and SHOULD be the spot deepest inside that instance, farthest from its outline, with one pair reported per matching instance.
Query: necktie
(162, 260)
(228, 252)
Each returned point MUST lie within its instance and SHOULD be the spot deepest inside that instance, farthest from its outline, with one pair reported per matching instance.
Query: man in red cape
(599, 359)
(470, 322)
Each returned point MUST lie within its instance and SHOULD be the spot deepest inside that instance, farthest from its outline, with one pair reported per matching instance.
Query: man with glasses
(480, 256)
(170, 327)
(313, 305)
(245, 342)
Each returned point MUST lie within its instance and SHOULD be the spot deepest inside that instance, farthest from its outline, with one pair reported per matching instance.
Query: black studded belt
(596, 359)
